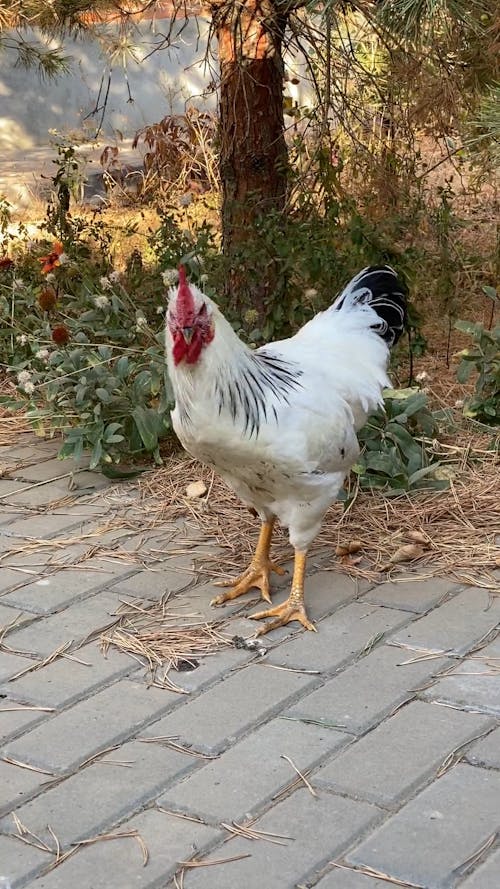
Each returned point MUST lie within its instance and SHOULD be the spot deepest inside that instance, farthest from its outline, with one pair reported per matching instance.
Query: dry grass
(460, 525)
(163, 637)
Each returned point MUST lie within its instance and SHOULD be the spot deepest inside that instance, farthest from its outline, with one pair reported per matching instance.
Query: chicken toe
(293, 608)
(256, 575)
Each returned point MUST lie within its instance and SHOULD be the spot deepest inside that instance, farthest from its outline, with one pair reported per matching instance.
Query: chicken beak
(187, 333)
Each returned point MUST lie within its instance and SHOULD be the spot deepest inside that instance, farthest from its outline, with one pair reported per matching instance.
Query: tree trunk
(253, 152)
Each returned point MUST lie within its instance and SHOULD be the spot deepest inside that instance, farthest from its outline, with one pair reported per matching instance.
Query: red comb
(185, 301)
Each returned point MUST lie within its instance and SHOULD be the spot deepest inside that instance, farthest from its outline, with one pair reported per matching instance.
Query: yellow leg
(257, 573)
(294, 607)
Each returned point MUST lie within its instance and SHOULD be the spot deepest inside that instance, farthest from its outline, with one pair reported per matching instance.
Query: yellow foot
(256, 575)
(283, 614)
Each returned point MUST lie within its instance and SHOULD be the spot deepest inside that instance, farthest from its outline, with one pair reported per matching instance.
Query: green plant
(484, 358)
(394, 454)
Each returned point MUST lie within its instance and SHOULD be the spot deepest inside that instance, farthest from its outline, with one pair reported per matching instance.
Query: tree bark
(253, 151)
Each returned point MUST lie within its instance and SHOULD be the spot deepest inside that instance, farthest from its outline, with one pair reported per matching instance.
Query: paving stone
(103, 794)
(410, 595)
(362, 694)
(8, 615)
(10, 664)
(45, 558)
(154, 582)
(37, 495)
(248, 775)
(211, 667)
(14, 719)
(225, 711)
(9, 579)
(7, 516)
(342, 878)
(75, 623)
(486, 752)
(44, 526)
(46, 470)
(62, 588)
(344, 634)
(119, 864)
(430, 838)
(475, 683)
(486, 876)
(16, 783)
(401, 753)
(62, 682)
(321, 828)
(456, 625)
(19, 861)
(110, 716)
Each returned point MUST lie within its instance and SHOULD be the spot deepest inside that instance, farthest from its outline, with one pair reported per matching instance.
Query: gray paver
(46, 470)
(225, 711)
(44, 526)
(35, 495)
(15, 719)
(431, 837)
(320, 827)
(371, 688)
(10, 578)
(249, 774)
(486, 876)
(157, 580)
(474, 684)
(94, 724)
(18, 861)
(342, 635)
(16, 783)
(57, 590)
(103, 794)
(486, 752)
(407, 749)
(58, 686)
(411, 595)
(456, 625)
(9, 614)
(119, 864)
(343, 878)
(10, 664)
(75, 623)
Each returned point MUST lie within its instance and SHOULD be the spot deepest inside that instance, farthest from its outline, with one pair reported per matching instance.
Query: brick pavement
(391, 712)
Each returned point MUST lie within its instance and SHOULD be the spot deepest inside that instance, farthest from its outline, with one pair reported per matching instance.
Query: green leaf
(96, 455)
(147, 424)
(103, 395)
(490, 292)
(122, 367)
(464, 371)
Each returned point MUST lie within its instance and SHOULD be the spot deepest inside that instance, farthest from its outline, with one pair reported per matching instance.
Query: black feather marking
(261, 377)
(380, 288)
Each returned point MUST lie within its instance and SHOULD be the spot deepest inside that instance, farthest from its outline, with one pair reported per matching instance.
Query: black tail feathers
(380, 288)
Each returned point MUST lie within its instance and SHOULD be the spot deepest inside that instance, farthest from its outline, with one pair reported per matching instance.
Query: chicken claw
(256, 575)
(294, 607)
(282, 615)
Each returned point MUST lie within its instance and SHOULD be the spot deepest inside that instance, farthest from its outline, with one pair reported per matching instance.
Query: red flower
(5, 263)
(50, 262)
(60, 335)
(47, 299)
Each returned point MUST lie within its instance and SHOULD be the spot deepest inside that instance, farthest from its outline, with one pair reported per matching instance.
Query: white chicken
(279, 423)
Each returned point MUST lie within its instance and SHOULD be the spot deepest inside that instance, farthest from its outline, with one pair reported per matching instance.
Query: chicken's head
(190, 321)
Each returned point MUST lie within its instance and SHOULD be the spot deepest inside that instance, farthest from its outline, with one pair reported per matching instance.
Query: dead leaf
(418, 537)
(344, 549)
(196, 489)
(405, 553)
